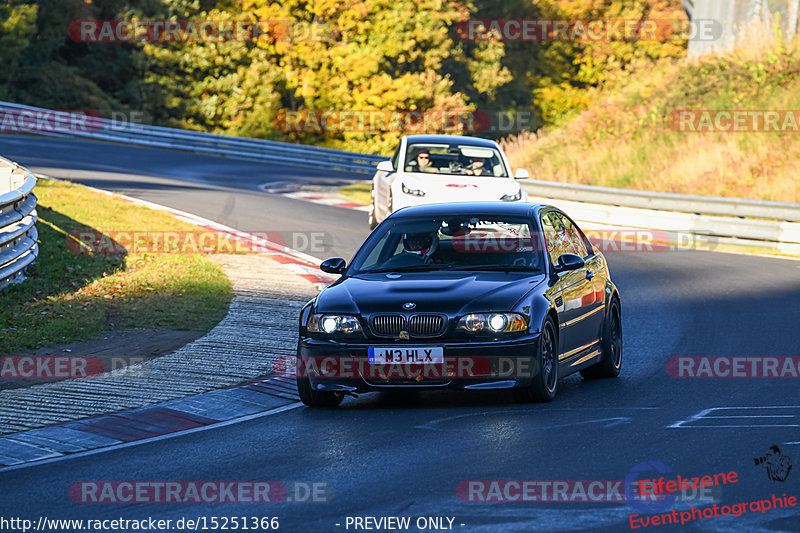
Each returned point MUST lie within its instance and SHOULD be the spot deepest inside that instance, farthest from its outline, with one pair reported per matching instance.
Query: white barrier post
(6, 179)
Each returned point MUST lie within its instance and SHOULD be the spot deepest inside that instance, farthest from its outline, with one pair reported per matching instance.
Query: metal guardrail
(18, 234)
(663, 201)
(753, 222)
(90, 127)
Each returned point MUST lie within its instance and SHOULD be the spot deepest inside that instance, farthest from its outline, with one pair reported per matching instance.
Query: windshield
(479, 243)
(456, 158)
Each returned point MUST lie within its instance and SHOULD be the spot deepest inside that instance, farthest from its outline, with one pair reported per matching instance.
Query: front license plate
(381, 355)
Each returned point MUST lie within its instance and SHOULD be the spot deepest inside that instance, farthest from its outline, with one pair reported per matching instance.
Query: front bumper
(341, 366)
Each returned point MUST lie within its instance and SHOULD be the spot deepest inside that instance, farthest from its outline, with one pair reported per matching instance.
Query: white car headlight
(512, 197)
(333, 324)
(412, 192)
(492, 322)
(497, 322)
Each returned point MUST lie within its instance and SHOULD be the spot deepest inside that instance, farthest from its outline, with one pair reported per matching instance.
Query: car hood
(443, 292)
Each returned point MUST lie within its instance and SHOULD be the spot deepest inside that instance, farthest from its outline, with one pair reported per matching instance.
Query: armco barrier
(662, 201)
(730, 221)
(35, 120)
(18, 235)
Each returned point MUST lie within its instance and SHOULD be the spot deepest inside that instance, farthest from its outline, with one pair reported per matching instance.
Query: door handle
(589, 275)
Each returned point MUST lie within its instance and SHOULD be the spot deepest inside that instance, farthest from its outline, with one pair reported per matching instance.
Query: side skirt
(580, 358)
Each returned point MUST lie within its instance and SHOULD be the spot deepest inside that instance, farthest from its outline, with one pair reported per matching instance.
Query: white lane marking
(276, 187)
(612, 421)
(704, 415)
(295, 191)
(155, 439)
(315, 199)
(753, 416)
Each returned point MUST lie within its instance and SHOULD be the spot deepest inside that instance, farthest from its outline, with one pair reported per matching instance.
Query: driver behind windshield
(422, 244)
(477, 167)
(417, 250)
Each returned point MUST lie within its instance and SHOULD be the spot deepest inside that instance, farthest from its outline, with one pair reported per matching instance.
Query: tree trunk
(791, 19)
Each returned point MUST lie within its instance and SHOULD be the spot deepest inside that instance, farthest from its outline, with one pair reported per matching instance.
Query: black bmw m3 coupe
(465, 296)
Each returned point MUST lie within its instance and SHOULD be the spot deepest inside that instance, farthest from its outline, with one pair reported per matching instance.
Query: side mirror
(334, 265)
(385, 166)
(521, 174)
(569, 262)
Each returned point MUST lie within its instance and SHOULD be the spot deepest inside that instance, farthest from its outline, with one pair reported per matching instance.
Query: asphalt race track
(223, 190)
(383, 455)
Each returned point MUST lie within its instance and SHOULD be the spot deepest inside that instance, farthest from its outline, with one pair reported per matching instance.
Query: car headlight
(492, 323)
(512, 197)
(333, 324)
(412, 192)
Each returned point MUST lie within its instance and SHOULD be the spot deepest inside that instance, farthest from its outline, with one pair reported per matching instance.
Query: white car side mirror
(385, 166)
(521, 174)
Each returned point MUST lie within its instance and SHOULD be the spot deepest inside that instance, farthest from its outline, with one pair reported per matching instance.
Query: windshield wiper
(501, 268)
(408, 268)
(423, 268)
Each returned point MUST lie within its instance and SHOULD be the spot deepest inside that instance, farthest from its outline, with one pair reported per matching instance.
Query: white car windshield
(455, 159)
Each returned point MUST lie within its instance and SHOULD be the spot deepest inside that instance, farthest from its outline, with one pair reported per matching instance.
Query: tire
(372, 220)
(544, 386)
(315, 398)
(611, 345)
(371, 217)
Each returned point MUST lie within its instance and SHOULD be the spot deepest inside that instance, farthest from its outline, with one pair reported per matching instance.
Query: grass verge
(358, 192)
(71, 296)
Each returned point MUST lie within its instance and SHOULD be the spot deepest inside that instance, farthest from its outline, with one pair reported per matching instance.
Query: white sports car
(436, 169)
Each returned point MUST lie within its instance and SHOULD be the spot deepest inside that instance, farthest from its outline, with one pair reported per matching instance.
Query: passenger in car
(421, 163)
